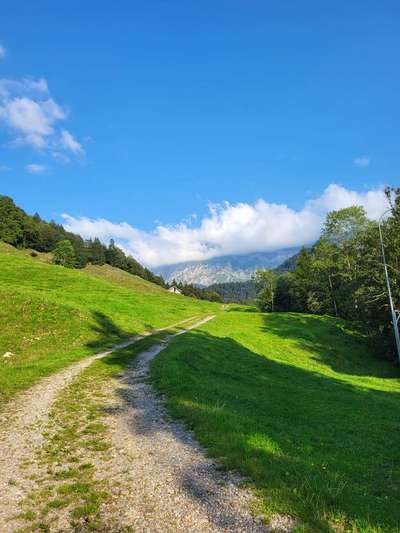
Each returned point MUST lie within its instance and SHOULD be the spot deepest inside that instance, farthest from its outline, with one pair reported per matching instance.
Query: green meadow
(294, 402)
(298, 406)
(51, 316)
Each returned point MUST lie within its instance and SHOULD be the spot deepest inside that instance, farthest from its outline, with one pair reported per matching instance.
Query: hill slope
(51, 315)
(298, 405)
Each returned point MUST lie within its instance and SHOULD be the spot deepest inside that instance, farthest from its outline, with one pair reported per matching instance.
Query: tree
(266, 282)
(115, 256)
(342, 226)
(11, 222)
(342, 274)
(97, 252)
(80, 249)
(64, 254)
(324, 265)
(295, 291)
(243, 292)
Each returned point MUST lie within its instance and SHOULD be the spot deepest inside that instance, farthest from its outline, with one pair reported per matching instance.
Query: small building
(175, 290)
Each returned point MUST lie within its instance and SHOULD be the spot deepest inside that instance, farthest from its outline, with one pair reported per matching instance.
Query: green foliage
(23, 231)
(64, 254)
(242, 292)
(265, 281)
(11, 222)
(342, 274)
(187, 289)
(300, 407)
(115, 256)
(97, 253)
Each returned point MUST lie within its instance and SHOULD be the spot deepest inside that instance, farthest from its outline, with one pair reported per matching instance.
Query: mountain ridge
(235, 267)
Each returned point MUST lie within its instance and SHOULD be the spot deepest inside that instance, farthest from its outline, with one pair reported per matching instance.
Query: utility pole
(394, 312)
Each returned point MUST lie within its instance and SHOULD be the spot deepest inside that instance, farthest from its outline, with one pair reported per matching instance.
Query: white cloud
(34, 168)
(2, 51)
(32, 115)
(26, 86)
(229, 229)
(4, 168)
(362, 161)
(70, 143)
(336, 197)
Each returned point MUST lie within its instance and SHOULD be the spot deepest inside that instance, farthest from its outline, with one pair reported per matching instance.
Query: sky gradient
(144, 113)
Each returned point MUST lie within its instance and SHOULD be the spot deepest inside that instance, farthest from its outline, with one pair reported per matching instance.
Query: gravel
(160, 478)
(22, 423)
(169, 483)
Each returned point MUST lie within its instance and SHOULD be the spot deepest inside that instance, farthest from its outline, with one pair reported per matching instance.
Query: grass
(294, 402)
(77, 441)
(51, 316)
(69, 483)
(298, 405)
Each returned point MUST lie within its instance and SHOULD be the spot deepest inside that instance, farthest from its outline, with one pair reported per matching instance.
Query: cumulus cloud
(34, 168)
(30, 117)
(33, 116)
(362, 161)
(229, 228)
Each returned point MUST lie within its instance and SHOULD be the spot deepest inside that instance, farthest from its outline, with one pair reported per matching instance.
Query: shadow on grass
(315, 447)
(108, 333)
(329, 341)
(148, 419)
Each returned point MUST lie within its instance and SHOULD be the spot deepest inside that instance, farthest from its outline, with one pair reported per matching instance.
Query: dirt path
(21, 426)
(169, 484)
(157, 476)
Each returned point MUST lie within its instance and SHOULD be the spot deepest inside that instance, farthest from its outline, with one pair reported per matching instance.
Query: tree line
(342, 274)
(25, 231)
(187, 289)
(71, 251)
(243, 292)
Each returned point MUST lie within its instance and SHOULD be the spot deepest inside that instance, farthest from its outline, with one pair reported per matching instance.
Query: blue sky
(168, 106)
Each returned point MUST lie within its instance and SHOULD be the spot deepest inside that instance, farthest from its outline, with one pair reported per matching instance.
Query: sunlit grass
(51, 316)
(298, 404)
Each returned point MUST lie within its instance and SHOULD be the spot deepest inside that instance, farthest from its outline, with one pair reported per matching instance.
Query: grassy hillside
(296, 403)
(123, 279)
(51, 316)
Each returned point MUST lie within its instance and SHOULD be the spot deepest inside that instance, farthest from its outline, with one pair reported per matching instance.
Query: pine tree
(64, 254)
(97, 252)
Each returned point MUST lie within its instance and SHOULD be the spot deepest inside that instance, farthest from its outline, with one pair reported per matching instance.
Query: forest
(243, 292)
(342, 275)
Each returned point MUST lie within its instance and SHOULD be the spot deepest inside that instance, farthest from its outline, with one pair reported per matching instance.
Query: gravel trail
(169, 483)
(21, 424)
(159, 477)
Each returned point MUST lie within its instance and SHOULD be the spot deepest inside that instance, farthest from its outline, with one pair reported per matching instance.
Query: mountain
(288, 265)
(224, 269)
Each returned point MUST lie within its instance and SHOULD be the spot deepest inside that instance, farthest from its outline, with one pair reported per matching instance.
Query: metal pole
(395, 314)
